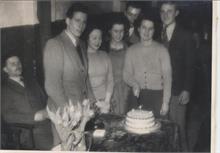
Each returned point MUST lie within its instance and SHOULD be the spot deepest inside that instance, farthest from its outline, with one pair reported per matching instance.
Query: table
(117, 139)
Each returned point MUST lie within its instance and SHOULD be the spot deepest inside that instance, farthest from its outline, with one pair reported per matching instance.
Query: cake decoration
(140, 121)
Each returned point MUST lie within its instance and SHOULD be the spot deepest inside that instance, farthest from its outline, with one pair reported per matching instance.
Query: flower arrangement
(70, 123)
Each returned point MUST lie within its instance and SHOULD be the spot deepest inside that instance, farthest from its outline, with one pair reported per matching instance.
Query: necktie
(78, 48)
(131, 30)
(164, 37)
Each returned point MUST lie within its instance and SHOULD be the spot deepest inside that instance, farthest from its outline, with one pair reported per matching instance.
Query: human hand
(88, 111)
(184, 97)
(99, 103)
(106, 107)
(164, 109)
(103, 106)
(41, 115)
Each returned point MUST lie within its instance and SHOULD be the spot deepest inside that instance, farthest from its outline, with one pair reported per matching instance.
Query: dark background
(29, 41)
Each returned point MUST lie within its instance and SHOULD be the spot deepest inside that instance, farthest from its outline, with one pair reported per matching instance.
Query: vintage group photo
(106, 76)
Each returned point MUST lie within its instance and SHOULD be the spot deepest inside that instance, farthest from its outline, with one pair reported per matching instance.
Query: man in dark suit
(23, 103)
(131, 13)
(66, 65)
(181, 48)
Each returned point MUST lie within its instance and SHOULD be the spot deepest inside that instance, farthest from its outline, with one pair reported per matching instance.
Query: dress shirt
(131, 30)
(73, 39)
(148, 67)
(75, 43)
(170, 30)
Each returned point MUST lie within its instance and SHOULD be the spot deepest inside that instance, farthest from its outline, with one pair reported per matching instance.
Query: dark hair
(7, 56)
(116, 19)
(76, 7)
(169, 3)
(89, 29)
(134, 4)
(148, 17)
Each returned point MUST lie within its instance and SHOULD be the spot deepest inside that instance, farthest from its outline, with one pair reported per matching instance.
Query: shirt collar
(18, 80)
(72, 38)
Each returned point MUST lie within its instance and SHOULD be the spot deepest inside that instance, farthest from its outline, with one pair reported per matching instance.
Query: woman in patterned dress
(116, 47)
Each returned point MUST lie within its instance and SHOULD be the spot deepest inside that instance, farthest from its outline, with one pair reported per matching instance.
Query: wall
(18, 13)
(28, 30)
(24, 37)
(59, 8)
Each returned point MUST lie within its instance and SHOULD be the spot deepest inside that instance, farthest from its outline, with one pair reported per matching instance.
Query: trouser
(177, 114)
(43, 136)
(38, 138)
(204, 137)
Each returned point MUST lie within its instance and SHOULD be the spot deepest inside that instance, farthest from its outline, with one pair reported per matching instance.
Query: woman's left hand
(104, 106)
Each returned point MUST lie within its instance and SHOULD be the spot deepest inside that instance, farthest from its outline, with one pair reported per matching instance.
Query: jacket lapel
(15, 86)
(71, 51)
(174, 35)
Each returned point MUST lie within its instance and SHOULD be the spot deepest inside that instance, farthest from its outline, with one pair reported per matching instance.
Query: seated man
(22, 103)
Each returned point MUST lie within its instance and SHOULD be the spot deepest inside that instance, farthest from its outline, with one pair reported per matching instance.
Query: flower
(70, 124)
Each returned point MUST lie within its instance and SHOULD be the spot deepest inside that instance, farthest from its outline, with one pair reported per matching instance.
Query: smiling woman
(148, 71)
(100, 70)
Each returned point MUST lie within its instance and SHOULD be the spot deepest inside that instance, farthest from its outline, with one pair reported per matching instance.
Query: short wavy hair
(148, 17)
(134, 4)
(169, 3)
(76, 7)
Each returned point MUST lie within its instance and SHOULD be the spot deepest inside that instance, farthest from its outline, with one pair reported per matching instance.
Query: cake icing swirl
(141, 121)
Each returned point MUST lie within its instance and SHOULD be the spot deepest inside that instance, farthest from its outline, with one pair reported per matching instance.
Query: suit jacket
(182, 55)
(65, 75)
(133, 38)
(19, 104)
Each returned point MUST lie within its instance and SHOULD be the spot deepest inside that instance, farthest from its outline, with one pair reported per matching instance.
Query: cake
(141, 122)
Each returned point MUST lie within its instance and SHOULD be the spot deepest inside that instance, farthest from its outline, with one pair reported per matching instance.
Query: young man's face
(76, 25)
(13, 67)
(168, 13)
(132, 14)
(146, 30)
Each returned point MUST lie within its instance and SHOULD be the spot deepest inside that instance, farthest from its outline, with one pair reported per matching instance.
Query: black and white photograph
(106, 76)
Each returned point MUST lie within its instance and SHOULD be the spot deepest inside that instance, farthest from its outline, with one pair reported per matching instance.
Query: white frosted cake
(141, 122)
